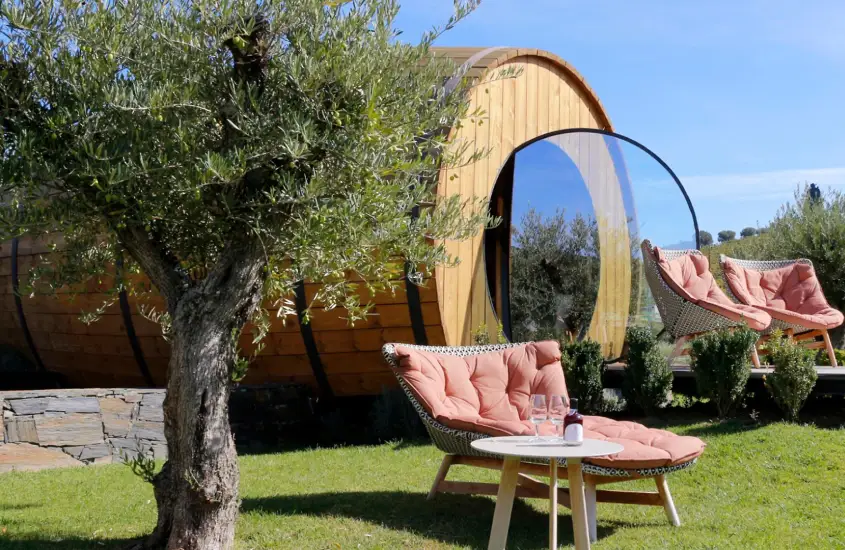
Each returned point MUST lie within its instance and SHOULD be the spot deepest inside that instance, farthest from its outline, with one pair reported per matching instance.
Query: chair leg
(676, 351)
(829, 346)
(441, 474)
(668, 503)
(755, 358)
(590, 499)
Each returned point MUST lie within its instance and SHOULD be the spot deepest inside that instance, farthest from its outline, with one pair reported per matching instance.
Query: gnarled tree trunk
(197, 490)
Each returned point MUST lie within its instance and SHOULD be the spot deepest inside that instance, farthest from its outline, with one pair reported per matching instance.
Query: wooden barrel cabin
(543, 97)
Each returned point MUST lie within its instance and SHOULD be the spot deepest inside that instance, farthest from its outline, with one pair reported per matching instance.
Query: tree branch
(162, 270)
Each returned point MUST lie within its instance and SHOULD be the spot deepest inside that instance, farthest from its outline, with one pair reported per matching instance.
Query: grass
(758, 486)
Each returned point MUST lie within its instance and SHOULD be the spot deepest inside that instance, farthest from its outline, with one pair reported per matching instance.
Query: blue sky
(742, 98)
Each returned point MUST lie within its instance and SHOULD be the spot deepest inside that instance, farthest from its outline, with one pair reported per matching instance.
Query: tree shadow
(454, 519)
(70, 543)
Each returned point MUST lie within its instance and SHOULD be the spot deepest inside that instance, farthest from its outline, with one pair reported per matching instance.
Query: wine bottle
(573, 425)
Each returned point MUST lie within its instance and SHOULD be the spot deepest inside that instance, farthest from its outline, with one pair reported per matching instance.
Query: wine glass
(538, 413)
(557, 411)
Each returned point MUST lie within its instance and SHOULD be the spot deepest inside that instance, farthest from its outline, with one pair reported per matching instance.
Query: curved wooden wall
(547, 95)
(542, 94)
(101, 354)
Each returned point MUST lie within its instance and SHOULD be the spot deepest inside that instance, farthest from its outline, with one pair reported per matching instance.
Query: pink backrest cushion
(794, 287)
(487, 392)
(690, 277)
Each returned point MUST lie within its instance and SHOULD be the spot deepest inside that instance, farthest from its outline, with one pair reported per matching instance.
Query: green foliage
(748, 232)
(394, 418)
(794, 374)
(721, 364)
(681, 401)
(823, 359)
(647, 378)
(481, 335)
(554, 276)
(183, 135)
(142, 463)
(705, 238)
(583, 366)
(726, 235)
(814, 229)
(804, 228)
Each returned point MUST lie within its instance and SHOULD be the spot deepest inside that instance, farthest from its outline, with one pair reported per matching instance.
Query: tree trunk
(197, 489)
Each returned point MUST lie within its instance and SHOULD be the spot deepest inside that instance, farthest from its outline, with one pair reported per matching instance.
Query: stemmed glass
(557, 411)
(538, 413)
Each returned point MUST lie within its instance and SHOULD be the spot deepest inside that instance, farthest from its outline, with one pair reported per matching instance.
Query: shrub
(481, 336)
(648, 378)
(822, 358)
(722, 366)
(793, 377)
(583, 365)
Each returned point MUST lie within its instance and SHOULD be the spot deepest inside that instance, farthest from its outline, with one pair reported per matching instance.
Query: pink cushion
(792, 294)
(644, 447)
(690, 277)
(488, 394)
(756, 319)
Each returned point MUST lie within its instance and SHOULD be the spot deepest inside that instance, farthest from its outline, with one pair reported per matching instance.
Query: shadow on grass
(72, 543)
(454, 519)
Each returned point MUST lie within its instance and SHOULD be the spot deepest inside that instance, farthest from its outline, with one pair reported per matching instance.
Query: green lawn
(772, 486)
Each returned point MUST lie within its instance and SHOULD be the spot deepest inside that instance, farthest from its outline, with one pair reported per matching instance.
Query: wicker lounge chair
(689, 300)
(468, 393)
(790, 292)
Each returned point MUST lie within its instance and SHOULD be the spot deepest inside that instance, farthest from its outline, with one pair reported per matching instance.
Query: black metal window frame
(498, 272)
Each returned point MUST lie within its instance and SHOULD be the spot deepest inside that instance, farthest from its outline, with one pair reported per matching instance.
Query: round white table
(515, 448)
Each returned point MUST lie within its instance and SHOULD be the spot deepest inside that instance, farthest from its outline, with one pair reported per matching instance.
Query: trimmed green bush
(721, 363)
(823, 360)
(648, 378)
(793, 377)
(583, 365)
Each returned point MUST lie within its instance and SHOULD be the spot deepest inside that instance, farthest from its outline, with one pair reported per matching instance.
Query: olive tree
(226, 149)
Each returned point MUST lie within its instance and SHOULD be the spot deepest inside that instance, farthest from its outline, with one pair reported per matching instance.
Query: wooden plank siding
(545, 95)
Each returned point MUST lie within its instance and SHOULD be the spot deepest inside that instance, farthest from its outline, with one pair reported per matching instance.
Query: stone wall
(88, 425)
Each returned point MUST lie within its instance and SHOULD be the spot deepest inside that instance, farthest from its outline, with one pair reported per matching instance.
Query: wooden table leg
(504, 504)
(552, 504)
(579, 506)
(590, 497)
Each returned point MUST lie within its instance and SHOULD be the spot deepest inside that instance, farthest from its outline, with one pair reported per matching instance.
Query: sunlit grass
(772, 486)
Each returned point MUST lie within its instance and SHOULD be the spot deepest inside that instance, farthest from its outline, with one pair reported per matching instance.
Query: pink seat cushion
(791, 294)
(690, 277)
(488, 394)
(644, 447)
